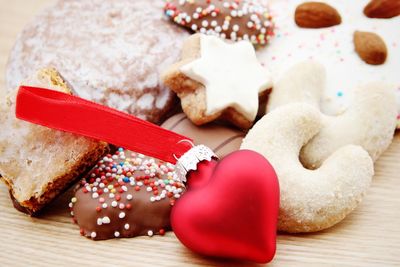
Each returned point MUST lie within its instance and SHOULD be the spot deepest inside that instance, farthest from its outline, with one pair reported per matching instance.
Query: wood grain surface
(370, 236)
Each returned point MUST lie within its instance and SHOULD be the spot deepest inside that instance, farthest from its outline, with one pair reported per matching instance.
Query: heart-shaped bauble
(230, 209)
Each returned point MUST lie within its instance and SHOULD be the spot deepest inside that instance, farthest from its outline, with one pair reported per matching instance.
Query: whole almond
(370, 47)
(382, 9)
(316, 15)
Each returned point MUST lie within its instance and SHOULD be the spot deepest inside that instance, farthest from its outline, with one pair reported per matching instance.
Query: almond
(370, 47)
(382, 9)
(316, 15)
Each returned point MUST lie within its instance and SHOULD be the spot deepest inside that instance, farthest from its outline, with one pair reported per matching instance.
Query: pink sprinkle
(121, 206)
(101, 200)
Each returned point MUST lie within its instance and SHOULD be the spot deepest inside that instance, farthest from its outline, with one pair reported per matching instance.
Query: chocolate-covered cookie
(231, 19)
(222, 139)
(126, 195)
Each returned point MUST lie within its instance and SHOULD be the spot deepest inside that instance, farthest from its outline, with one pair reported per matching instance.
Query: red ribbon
(69, 113)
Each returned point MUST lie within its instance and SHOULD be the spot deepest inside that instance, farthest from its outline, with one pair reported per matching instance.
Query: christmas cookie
(126, 195)
(346, 54)
(231, 19)
(216, 79)
(38, 163)
(220, 138)
(369, 121)
(111, 52)
(310, 200)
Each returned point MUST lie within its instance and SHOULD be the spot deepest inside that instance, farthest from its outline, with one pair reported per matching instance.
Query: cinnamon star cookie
(216, 79)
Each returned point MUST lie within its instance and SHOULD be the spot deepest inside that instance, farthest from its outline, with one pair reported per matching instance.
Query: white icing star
(231, 74)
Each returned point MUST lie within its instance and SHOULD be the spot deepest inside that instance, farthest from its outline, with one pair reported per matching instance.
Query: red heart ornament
(230, 209)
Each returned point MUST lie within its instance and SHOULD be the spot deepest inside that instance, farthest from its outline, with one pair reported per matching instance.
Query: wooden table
(370, 236)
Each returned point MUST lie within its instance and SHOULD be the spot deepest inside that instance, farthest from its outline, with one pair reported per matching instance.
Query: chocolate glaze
(243, 19)
(140, 206)
(222, 139)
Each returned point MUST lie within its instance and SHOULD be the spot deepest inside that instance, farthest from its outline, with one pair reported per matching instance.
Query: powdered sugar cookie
(110, 52)
(369, 121)
(310, 200)
(334, 47)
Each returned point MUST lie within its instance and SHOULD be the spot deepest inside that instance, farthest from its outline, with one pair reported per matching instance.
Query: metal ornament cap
(188, 161)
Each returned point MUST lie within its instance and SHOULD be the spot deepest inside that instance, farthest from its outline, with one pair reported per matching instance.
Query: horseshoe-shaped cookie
(369, 121)
(311, 200)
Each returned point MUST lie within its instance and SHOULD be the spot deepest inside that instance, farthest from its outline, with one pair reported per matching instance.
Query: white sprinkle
(194, 27)
(122, 215)
(129, 197)
(126, 226)
(104, 206)
(70, 205)
(149, 189)
(152, 199)
(93, 235)
(111, 195)
(114, 203)
(124, 188)
(204, 23)
(99, 221)
(106, 220)
(116, 234)
(235, 27)
(95, 195)
(150, 233)
(214, 23)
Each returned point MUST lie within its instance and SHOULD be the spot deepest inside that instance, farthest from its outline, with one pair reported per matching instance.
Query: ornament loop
(187, 141)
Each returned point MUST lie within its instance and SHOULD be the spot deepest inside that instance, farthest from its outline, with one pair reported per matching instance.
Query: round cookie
(221, 139)
(126, 195)
(334, 48)
(230, 19)
(110, 52)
